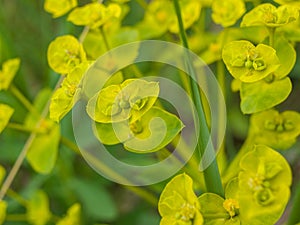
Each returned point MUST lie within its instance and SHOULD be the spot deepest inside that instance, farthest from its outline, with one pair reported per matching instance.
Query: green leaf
(212, 209)
(3, 207)
(227, 12)
(72, 217)
(8, 72)
(178, 203)
(249, 63)
(97, 203)
(5, 114)
(42, 153)
(153, 131)
(277, 130)
(157, 129)
(38, 212)
(264, 187)
(65, 97)
(59, 7)
(287, 57)
(64, 53)
(94, 14)
(116, 103)
(270, 16)
(262, 95)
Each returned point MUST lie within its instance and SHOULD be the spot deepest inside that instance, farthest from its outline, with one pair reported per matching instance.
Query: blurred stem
(294, 214)
(18, 198)
(16, 217)
(211, 173)
(143, 193)
(26, 103)
(221, 76)
(21, 127)
(107, 46)
(16, 167)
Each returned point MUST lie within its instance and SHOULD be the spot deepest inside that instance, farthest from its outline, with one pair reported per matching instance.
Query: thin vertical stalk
(211, 173)
(294, 215)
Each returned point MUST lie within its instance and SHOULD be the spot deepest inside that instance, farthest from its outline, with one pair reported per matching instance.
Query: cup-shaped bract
(64, 53)
(59, 7)
(178, 204)
(8, 72)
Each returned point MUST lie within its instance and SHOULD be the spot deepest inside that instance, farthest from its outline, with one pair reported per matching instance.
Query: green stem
(144, 194)
(211, 173)
(18, 198)
(107, 46)
(294, 214)
(16, 217)
(271, 36)
(27, 104)
(21, 127)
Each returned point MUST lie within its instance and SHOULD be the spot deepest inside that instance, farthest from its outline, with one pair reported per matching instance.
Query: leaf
(227, 12)
(261, 95)
(64, 53)
(59, 7)
(8, 72)
(212, 204)
(249, 63)
(158, 128)
(38, 212)
(3, 207)
(42, 153)
(270, 16)
(5, 114)
(97, 203)
(72, 217)
(287, 57)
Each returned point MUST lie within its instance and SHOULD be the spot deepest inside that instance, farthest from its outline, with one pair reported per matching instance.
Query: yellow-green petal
(59, 7)
(5, 114)
(72, 217)
(3, 207)
(8, 72)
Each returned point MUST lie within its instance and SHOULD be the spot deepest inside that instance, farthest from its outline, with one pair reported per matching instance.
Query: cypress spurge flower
(178, 204)
(59, 7)
(8, 72)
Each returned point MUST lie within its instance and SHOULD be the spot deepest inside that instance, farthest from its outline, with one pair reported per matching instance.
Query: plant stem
(27, 104)
(143, 193)
(18, 198)
(294, 215)
(21, 127)
(211, 173)
(16, 167)
(107, 46)
(271, 36)
(16, 217)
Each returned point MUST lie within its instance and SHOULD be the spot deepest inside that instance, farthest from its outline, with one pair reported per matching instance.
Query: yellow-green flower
(178, 204)
(72, 217)
(270, 16)
(227, 12)
(94, 14)
(64, 53)
(3, 207)
(59, 7)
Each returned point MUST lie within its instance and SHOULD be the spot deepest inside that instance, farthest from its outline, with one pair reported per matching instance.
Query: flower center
(231, 206)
